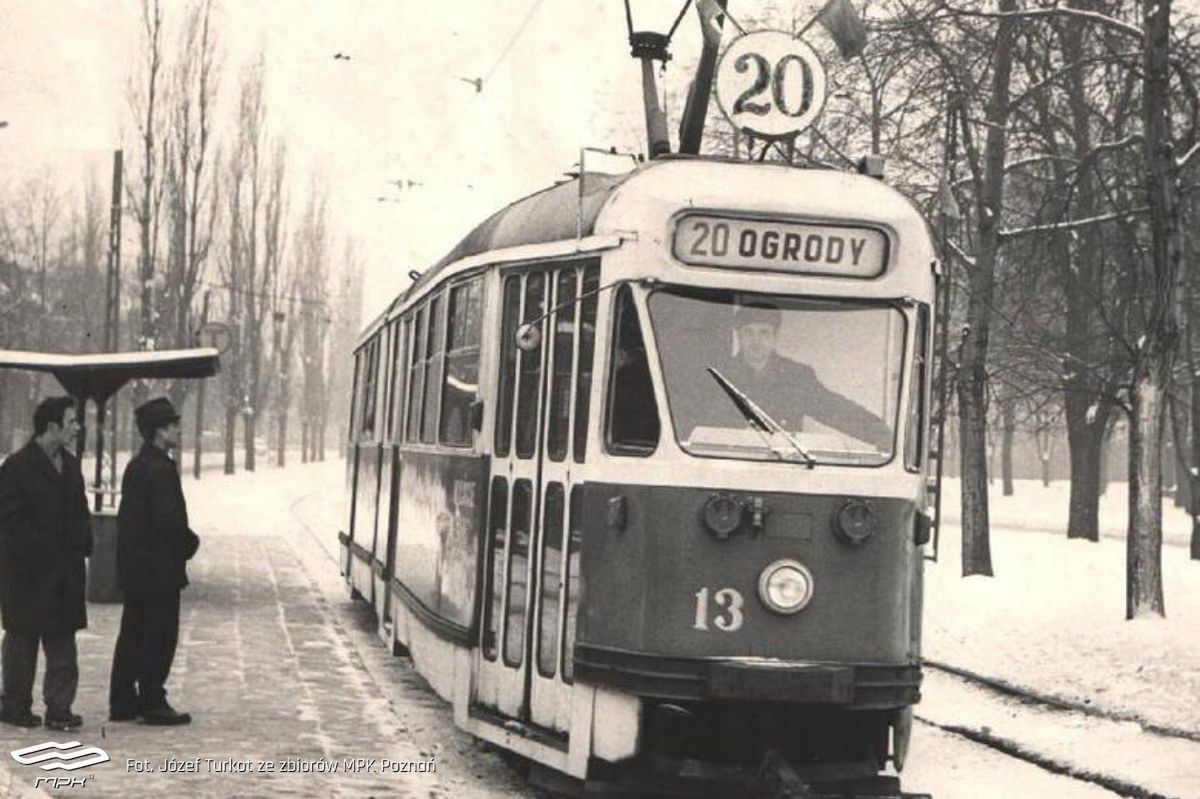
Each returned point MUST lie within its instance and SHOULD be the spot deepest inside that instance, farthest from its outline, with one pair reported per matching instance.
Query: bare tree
(347, 322)
(256, 204)
(147, 103)
(192, 191)
(312, 257)
(1156, 349)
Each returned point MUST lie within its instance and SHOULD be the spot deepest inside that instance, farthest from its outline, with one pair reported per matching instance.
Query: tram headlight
(854, 522)
(785, 586)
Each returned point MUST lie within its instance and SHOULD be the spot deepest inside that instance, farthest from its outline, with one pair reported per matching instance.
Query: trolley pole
(200, 400)
(112, 320)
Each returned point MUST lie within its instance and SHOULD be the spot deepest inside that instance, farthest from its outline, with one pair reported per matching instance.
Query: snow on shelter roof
(98, 376)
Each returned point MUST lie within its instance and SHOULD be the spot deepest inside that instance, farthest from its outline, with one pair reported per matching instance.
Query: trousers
(144, 652)
(18, 659)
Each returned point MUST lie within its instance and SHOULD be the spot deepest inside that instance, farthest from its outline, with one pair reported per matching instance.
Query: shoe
(165, 716)
(25, 719)
(122, 715)
(63, 721)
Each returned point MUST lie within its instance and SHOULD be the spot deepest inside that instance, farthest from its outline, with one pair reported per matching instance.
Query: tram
(638, 477)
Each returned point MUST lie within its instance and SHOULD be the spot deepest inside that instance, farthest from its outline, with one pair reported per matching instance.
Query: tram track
(1029, 696)
(1115, 751)
(1018, 752)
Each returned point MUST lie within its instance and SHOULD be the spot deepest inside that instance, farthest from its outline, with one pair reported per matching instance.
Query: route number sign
(770, 84)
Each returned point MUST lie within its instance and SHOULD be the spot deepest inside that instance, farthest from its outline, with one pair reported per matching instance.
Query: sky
(557, 77)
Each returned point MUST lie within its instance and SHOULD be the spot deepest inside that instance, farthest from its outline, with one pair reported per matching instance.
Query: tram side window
(519, 533)
(369, 388)
(461, 385)
(551, 582)
(416, 378)
(387, 344)
(434, 361)
(355, 395)
(633, 426)
(399, 381)
(493, 608)
(587, 352)
(574, 586)
(508, 364)
(914, 447)
(562, 369)
(530, 368)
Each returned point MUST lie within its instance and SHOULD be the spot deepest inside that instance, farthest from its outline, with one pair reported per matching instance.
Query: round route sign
(770, 84)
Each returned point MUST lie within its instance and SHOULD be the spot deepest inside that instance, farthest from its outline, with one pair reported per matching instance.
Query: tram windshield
(770, 377)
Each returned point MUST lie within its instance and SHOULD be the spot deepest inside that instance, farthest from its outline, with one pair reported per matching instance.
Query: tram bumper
(856, 686)
(799, 682)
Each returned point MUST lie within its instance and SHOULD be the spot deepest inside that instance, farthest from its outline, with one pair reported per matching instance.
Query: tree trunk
(248, 440)
(1159, 343)
(281, 436)
(1193, 472)
(304, 442)
(230, 438)
(1143, 592)
(1008, 430)
(1086, 450)
(976, 551)
(972, 378)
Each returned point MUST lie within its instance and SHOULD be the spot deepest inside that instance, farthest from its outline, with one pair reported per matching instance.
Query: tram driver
(788, 390)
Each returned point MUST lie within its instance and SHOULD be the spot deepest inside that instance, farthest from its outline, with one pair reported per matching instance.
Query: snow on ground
(1053, 617)
(1044, 509)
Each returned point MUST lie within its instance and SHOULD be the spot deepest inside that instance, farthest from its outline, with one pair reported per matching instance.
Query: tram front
(751, 563)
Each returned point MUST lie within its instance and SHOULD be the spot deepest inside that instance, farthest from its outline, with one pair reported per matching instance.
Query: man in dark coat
(791, 391)
(45, 534)
(154, 544)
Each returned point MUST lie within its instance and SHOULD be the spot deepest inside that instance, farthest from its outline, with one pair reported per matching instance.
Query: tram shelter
(97, 377)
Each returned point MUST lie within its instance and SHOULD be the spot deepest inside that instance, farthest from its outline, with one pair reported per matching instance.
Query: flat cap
(156, 413)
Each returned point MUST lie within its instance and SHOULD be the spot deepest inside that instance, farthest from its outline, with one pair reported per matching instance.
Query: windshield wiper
(761, 421)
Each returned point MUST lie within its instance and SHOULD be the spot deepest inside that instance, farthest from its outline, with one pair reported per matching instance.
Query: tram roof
(551, 214)
(555, 214)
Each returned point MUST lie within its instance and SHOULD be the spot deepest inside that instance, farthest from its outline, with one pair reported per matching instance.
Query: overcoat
(154, 541)
(790, 392)
(45, 534)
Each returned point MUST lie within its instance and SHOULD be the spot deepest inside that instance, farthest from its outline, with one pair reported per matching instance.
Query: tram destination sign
(779, 245)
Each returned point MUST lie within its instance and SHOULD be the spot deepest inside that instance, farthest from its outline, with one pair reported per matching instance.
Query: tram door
(531, 591)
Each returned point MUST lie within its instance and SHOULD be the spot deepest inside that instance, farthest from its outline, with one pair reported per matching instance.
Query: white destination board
(770, 84)
(780, 245)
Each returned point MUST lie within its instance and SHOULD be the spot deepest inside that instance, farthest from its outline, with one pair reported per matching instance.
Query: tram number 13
(727, 614)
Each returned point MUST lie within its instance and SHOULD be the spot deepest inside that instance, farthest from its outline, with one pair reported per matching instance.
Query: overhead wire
(457, 118)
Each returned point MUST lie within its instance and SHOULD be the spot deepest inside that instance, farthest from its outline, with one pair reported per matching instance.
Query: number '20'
(775, 79)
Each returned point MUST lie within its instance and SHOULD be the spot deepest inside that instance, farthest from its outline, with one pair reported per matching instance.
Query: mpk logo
(67, 757)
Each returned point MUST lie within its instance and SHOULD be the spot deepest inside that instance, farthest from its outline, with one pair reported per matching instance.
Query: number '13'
(729, 616)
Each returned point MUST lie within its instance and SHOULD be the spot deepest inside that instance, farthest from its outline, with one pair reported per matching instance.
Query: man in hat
(154, 544)
(790, 391)
(45, 533)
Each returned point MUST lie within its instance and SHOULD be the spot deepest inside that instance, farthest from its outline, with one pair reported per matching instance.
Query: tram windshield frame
(823, 401)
